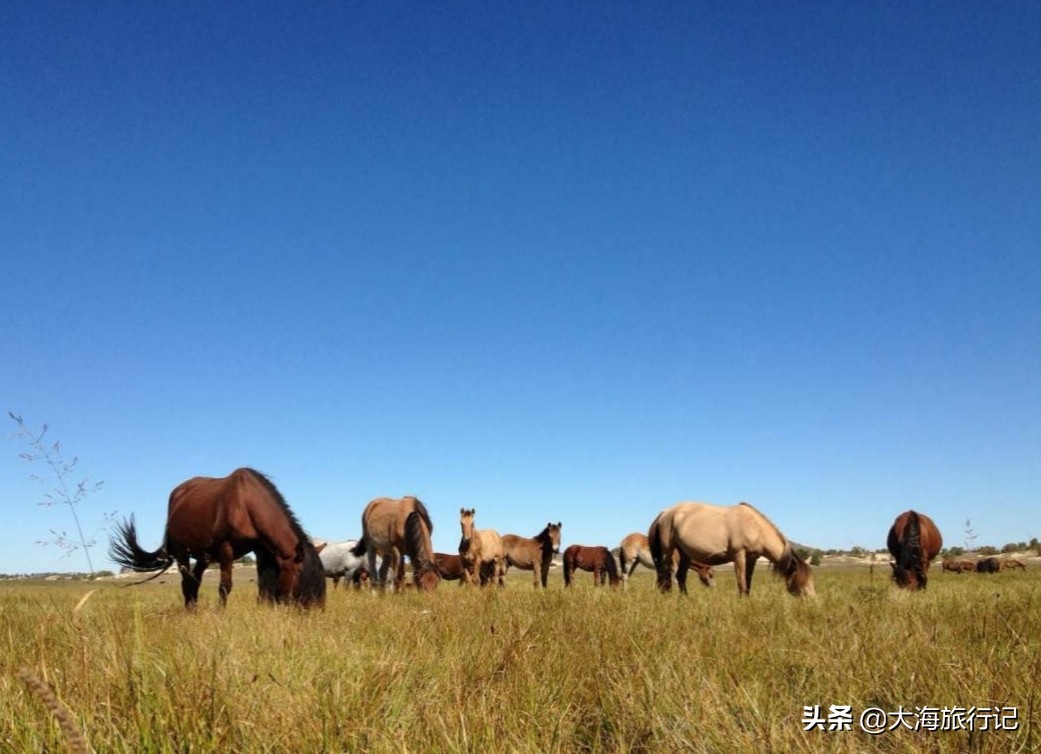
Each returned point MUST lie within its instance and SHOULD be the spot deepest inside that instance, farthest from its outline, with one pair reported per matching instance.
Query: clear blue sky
(554, 261)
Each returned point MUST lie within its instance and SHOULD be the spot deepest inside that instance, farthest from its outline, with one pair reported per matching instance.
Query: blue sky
(554, 261)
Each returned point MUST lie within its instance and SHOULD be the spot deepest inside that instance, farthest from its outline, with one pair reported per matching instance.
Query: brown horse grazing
(716, 534)
(449, 567)
(958, 566)
(221, 520)
(913, 541)
(533, 553)
(636, 550)
(597, 559)
(480, 550)
(393, 528)
(1007, 563)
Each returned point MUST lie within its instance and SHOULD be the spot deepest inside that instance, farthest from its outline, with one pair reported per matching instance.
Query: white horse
(339, 562)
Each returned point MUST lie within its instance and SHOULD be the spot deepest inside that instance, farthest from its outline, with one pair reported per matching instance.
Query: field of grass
(515, 670)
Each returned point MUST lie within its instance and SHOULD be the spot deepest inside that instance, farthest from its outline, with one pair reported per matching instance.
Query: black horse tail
(657, 555)
(125, 551)
(911, 549)
(415, 541)
(359, 547)
(612, 567)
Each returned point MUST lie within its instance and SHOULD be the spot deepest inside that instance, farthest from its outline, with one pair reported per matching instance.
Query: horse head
(426, 579)
(552, 536)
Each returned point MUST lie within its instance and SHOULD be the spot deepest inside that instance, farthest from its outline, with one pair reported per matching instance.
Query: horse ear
(319, 548)
(560, 525)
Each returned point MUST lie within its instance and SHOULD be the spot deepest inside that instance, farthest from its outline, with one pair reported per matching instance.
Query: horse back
(708, 533)
(201, 511)
(521, 552)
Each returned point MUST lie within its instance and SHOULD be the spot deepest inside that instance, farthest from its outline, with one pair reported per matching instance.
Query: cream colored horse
(636, 550)
(393, 528)
(482, 552)
(714, 534)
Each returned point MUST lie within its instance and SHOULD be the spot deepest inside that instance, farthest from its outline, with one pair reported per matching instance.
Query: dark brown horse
(597, 559)
(913, 541)
(988, 565)
(222, 519)
(533, 553)
(449, 567)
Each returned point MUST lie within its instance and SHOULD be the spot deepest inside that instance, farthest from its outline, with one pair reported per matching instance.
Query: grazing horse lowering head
(222, 519)
(913, 541)
(716, 534)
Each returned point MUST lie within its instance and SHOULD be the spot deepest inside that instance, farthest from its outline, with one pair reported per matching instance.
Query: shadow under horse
(221, 519)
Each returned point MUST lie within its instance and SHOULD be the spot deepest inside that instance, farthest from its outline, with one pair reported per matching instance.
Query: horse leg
(544, 570)
(375, 573)
(596, 575)
(681, 572)
(750, 561)
(628, 568)
(739, 571)
(336, 581)
(399, 575)
(191, 579)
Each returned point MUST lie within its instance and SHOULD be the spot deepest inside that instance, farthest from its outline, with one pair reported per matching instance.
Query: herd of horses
(218, 520)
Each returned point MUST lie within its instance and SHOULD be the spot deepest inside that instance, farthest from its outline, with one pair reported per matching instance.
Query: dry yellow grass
(516, 670)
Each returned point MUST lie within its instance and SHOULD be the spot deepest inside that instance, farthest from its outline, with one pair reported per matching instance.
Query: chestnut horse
(636, 550)
(913, 541)
(481, 551)
(533, 553)
(597, 559)
(223, 519)
(716, 534)
(394, 528)
(449, 567)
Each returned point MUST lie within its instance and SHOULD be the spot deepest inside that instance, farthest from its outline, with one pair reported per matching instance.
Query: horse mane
(790, 565)
(771, 524)
(268, 485)
(543, 538)
(422, 511)
(415, 540)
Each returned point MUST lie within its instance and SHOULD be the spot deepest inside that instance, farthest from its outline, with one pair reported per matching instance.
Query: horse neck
(545, 541)
(775, 547)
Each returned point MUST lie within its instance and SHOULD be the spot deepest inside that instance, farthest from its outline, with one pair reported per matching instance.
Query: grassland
(515, 670)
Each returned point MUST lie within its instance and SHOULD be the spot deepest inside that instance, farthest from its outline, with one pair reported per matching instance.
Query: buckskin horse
(394, 528)
(717, 534)
(221, 520)
(596, 559)
(481, 551)
(636, 550)
(913, 541)
(533, 553)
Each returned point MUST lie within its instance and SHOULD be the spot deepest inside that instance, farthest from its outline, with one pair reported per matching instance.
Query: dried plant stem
(76, 740)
